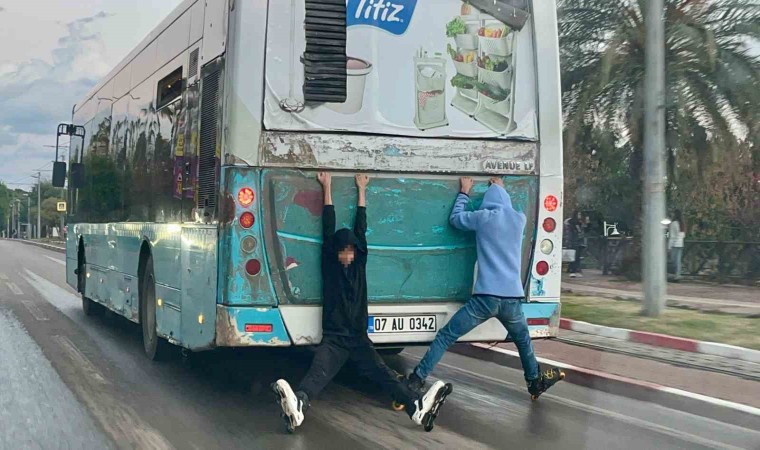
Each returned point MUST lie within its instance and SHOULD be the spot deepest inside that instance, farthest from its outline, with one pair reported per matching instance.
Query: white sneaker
(573, 275)
(426, 408)
(292, 406)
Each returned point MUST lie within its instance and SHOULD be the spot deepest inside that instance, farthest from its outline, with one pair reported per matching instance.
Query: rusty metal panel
(415, 255)
(232, 322)
(397, 154)
(199, 279)
(238, 245)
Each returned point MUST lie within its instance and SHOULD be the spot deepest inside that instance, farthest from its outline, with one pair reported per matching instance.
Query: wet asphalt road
(69, 381)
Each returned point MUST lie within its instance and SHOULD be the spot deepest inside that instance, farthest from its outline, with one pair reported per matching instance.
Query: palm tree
(712, 82)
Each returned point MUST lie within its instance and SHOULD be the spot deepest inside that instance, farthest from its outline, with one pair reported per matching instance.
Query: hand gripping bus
(194, 208)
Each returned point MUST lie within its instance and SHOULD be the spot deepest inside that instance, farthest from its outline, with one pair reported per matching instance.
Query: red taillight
(542, 268)
(246, 220)
(537, 322)
(550, 225)
(258, 328)
(252, 267)
(551, 203)
(246, 196)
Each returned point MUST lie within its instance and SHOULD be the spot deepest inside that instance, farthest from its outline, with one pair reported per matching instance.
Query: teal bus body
(207, 295)
(215, 183)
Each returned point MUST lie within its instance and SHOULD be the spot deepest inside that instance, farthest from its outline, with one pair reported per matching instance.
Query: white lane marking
(79, 358)
(55, 295)
(14, 288)
(715, 401)
(130, 429)
(35, 311)
(61, 262)
(3, 276)
(603, 412)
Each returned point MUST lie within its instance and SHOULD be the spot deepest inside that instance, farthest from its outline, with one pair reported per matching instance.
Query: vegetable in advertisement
(456, 27)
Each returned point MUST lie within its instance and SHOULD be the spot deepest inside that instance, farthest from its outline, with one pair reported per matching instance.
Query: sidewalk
(59, 247)
(706, 297)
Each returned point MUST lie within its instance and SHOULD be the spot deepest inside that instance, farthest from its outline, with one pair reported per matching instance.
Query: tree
(50, 215)
(5, 200)
(711, 83)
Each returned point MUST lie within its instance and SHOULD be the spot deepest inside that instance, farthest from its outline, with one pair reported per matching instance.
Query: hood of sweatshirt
(343, 238)
(496, 198)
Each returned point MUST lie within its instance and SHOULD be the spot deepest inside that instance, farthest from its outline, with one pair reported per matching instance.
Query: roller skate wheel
(534, 397)
(288, 424)
(429, 427)
(561, 375)
(398, 406)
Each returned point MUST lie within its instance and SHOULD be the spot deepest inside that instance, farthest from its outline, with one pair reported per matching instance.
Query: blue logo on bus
(393, 16)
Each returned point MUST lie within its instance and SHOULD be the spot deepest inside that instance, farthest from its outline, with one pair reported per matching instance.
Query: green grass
(724, 328)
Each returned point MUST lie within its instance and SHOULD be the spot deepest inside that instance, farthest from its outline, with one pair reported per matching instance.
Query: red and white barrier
(663, 340)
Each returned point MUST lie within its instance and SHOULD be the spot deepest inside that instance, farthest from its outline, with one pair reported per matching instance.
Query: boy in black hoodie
(344, 323)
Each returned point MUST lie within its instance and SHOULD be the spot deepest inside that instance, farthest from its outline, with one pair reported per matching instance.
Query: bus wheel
(156, 347)
(91, 308)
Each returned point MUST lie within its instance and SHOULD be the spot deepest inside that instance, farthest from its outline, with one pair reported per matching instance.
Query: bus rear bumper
(302, 325)
(305, 325)
(250, 327)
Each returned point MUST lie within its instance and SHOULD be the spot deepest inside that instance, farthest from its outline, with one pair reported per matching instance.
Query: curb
(664, 340)
(644, 391)
(54, 248)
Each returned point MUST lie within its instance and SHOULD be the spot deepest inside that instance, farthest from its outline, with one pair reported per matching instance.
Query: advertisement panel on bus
(442, 68)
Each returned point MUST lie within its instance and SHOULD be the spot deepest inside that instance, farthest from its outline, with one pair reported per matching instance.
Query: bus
(194, 206)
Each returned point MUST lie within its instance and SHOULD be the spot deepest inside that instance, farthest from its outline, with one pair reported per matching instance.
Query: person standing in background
(577, 234)
(676, 236)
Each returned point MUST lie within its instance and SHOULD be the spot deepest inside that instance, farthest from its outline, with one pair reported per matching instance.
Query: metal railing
(722, 261)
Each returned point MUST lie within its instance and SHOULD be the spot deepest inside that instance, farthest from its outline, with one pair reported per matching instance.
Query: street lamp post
(29, 233)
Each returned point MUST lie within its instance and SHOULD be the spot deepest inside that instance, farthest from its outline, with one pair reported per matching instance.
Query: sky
(51, 53)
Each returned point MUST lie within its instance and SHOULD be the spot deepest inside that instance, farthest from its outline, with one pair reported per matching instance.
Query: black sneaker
(415, 383)
(546, 379)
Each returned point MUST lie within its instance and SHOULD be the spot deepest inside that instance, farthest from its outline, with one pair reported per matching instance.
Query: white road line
(14, 288)
(715, 401)
(79, 358)
(61, 262)
(35, 311)
(3, 276)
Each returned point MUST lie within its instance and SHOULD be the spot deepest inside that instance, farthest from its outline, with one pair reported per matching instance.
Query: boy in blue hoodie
(498, 289)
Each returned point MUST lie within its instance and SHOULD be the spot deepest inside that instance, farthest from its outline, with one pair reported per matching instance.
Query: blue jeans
(677, 253)
(479, 309)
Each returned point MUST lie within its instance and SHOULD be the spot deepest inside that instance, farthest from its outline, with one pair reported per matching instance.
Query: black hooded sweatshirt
(344, 290)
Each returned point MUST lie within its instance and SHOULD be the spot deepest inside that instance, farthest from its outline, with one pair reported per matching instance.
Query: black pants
(333, 354)
(575, 266)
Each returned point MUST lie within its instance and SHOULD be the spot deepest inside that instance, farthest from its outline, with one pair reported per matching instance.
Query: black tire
(390, 351)
(156, 347)
(90, 307)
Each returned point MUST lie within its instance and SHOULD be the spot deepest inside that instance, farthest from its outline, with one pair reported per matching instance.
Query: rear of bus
(395, 90)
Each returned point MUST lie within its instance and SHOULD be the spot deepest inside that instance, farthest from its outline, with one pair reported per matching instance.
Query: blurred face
(347, 255)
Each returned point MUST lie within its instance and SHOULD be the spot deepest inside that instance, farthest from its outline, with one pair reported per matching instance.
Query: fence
(722, 261)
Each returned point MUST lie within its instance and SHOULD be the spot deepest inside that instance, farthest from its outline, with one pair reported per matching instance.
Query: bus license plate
(402, 324)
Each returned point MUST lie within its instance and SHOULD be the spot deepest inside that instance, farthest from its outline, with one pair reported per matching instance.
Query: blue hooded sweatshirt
(498, 233)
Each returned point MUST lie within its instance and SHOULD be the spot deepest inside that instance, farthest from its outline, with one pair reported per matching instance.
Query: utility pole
(653, 251)
(29, 230)
(39, 204)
